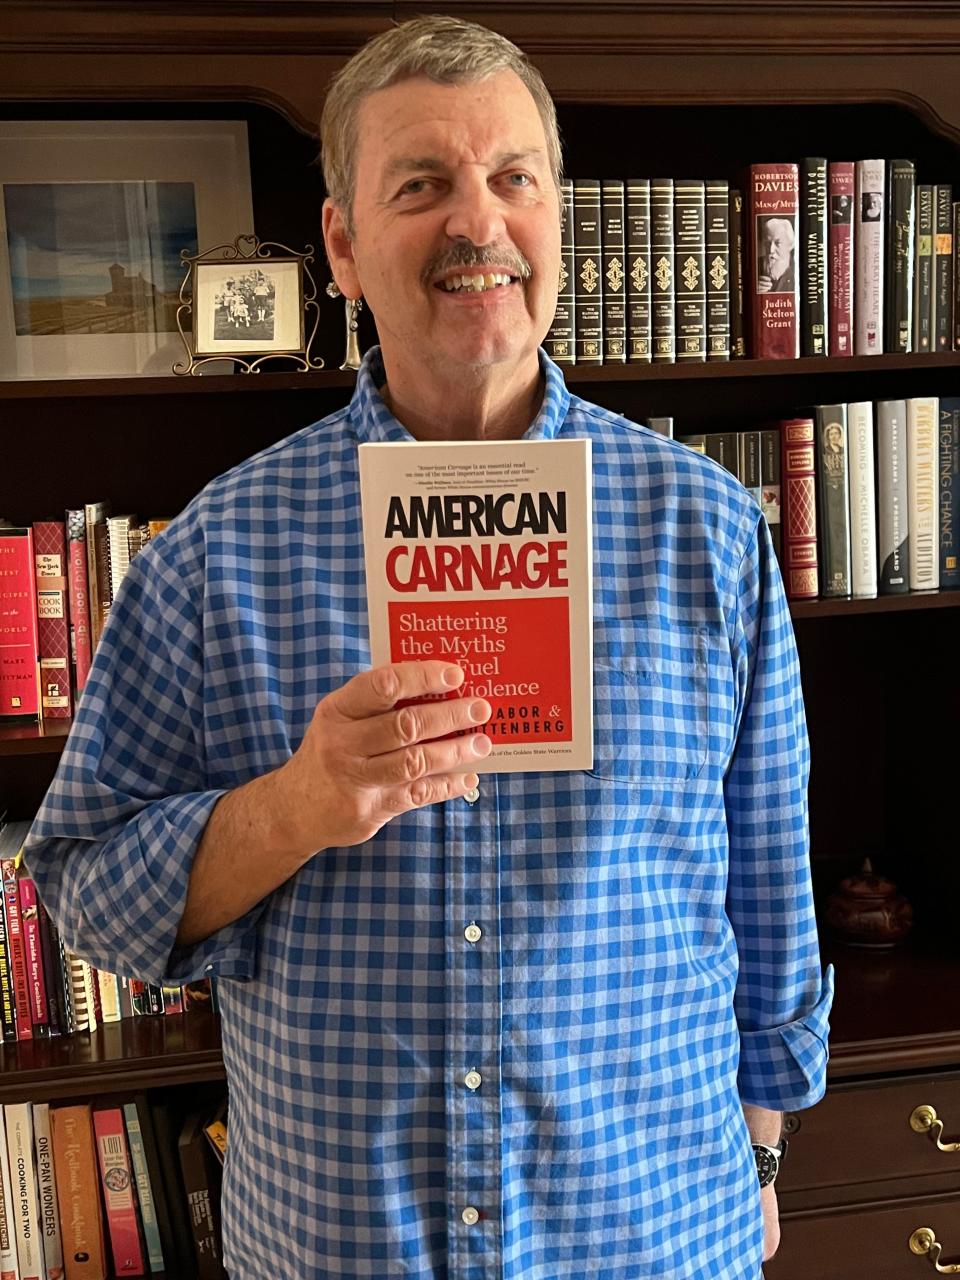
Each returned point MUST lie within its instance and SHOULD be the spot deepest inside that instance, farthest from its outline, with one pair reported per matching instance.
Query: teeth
(476, 283)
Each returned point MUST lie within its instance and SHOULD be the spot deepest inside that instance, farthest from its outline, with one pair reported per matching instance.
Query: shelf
(46, 738)
(877, 604)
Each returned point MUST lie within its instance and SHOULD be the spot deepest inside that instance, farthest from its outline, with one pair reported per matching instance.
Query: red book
(116, 1181)
(19, 642)
(33, 954)
(80, 638)
(50, 557)
(840, 197)
(17, 949)
(800, 569)
(775, 293)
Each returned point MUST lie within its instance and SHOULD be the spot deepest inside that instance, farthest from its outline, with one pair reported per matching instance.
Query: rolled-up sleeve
(112, 846)
(783, 998)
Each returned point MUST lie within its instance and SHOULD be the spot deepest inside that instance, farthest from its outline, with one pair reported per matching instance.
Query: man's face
(450, 176)
(777, 245)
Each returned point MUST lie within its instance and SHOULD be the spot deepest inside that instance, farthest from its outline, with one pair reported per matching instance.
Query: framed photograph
(94, 217)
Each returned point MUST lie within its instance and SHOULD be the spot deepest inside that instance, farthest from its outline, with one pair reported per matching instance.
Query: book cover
(868, 263)
(863, 511)
(943, 268)
(480, 553)
(12, 837)
(613, 240)
(18, 1120)
(833, 520)
(588, 261)
(81, 644)
(116, 1185)
(8, 1017)
(639, 324)
(661, 255)
(718, 268)
(109, 988)
(78, 1197)
(748, 463)
(78, 992)
(33, 953)
(949, 491)
(9, 1265)
(841, 189)
(690, 277)
(722, 447)
(158, 1191)
(813, 256)
(771, 486)
(202, 1180)
(560, 342)
(956, 275)
(19, 636)
(922, 492)
(923, 292)
(775, 311)
(738, 338)
(145, 1196)
(47, 1188)
(901, 250)
(50, 559)
(798, 462)
(166, 1129)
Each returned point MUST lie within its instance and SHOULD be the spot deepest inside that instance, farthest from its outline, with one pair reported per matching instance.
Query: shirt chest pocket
(651, 700)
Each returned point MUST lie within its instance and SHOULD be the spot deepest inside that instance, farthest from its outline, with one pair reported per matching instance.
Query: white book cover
(863, 509)
(892, 523)
(18, 1118)
(923, 483)
(47, 1188)
(868, 258)
(480, 553)
(9, 1267)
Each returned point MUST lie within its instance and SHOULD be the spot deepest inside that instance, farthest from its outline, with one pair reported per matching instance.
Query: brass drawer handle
(924, 1120)
(924, 1241)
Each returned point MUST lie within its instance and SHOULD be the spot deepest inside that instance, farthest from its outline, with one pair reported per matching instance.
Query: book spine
(47, 1188)
(738, 340)
(172, 999)
(9, 1266)
(53, 977)
(148, 1213)
(168, 1252)
(943, 268)
(78, 992)
(748, 463)
(868, 258)
(718, 268)
(116, 1184)
(614, 272)
(200, 1180)
(834, 495)
(79, 597)
(50, 559)
(19, 639)
(109, 988)
(773, 214)
(771, 487)
(639, 328)
(661, 252)
(923, 270)
(588, 315)
(17, 947)
(863, 512)
(75, 1162)
(901, 250)
(690, 247)
(33, 952)
(18, 1119)
(722, 447)
(813, 258)
(922, 485)
(560, 342)
(956, 275)
(8, 1017)
(798, 454)
(949, 521)
(95, 517)
(840, 187)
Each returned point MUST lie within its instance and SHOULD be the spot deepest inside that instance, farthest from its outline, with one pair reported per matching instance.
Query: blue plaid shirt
(502, 1040)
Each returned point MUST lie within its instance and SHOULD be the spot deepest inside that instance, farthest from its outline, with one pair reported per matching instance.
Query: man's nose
(475, 212)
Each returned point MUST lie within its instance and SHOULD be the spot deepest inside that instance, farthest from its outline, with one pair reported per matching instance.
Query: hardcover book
(145, 1196)
(840, 188)
(614, 273)
(868, 257)
(833, 521)
(98, 570)
(661, 254)
(690, 278)
(560, 342)
(81, 1224)
(949, 490)
(901, 250)
(19, 638)
(480, 553)
(923, 292)
(50, 558)
(798, 451)
(588, 260)
(117, 1186)
(775, 312)
(813, 257)
(81, 643)
(738, 340)
(922, 492)
(202, 1180)
(943, 268)
(718, 268)
(771, 487)
(33, 952)
(863, 511)
(639, 335)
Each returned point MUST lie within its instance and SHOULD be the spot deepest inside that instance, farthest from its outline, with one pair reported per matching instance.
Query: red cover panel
(840, 198)
(19, 644)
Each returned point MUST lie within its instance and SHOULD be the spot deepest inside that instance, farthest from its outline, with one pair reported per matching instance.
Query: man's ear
(339, 248)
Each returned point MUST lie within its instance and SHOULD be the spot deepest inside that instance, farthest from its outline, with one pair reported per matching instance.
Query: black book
(900, 254)
(813, 256)
(690, 277)
(639, 336)
(738, 342)
(661, 255)
(770, 486)
(718, 269)
(949, 513)
(560, 342)
(923, 270)
(722, 447)
(588, 262)
(892, 499)
(52, 973)
(614, 275)
(165, 1128)
(833, 518)
(202, 1179)
(942, 339)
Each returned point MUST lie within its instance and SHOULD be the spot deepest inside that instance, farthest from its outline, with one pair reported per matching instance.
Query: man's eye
(415, 186)
(519, 179)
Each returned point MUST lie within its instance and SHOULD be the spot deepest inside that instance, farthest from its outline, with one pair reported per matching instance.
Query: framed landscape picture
(93, 218)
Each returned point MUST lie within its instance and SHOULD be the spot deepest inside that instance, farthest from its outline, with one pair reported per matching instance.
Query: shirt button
(472, 1080)
(472, 796)
(472, 933)
(470, 1215)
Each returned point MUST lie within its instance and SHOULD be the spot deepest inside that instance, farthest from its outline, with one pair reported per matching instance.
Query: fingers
(426, 760)
(419, 723)
(378, 690)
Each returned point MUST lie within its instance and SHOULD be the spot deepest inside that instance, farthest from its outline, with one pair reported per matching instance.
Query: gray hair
(446, 50)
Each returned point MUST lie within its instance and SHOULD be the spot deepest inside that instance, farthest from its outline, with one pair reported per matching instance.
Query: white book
(480, 553)
(118, 534)
(47, 1188)
(868, 258)
(18, 1118)
(923, 483)
(109, 996)
(9, 1266)
(863, 509)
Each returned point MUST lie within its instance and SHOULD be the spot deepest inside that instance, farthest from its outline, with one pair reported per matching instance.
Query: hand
(364, 760)
(764, 284)
(771, 1221)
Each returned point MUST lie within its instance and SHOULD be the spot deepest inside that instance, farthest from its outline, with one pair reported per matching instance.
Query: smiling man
(536, 1028)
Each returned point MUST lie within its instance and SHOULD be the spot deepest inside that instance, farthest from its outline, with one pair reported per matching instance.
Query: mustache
(464, 256)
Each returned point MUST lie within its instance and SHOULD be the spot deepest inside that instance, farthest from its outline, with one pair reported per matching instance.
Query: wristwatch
(768, 1160)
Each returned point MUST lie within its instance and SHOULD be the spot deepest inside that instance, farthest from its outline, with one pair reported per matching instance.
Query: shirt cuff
(785, 1068)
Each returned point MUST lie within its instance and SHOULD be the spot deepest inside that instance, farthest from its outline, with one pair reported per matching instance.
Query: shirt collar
(372, 420)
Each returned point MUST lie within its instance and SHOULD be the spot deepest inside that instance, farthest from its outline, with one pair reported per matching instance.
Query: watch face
(768, 1164)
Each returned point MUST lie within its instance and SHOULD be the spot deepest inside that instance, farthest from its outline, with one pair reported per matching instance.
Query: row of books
(116, 1187)
(810, 258)
(870, 494)
(58, 579)
(46, 990)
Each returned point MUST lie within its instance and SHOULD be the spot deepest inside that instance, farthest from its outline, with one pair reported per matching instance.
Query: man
(516, 1027)
(776, 266)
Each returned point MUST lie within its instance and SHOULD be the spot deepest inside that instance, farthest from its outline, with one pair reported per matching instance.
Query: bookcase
(695, 87)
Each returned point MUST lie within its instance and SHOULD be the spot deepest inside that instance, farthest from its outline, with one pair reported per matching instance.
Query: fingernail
(471, 780)
(453, 676)
(480, 711)
(481, 744)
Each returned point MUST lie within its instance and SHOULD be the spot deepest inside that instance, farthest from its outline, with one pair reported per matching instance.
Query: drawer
(861, 1133)
(866, 1242)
